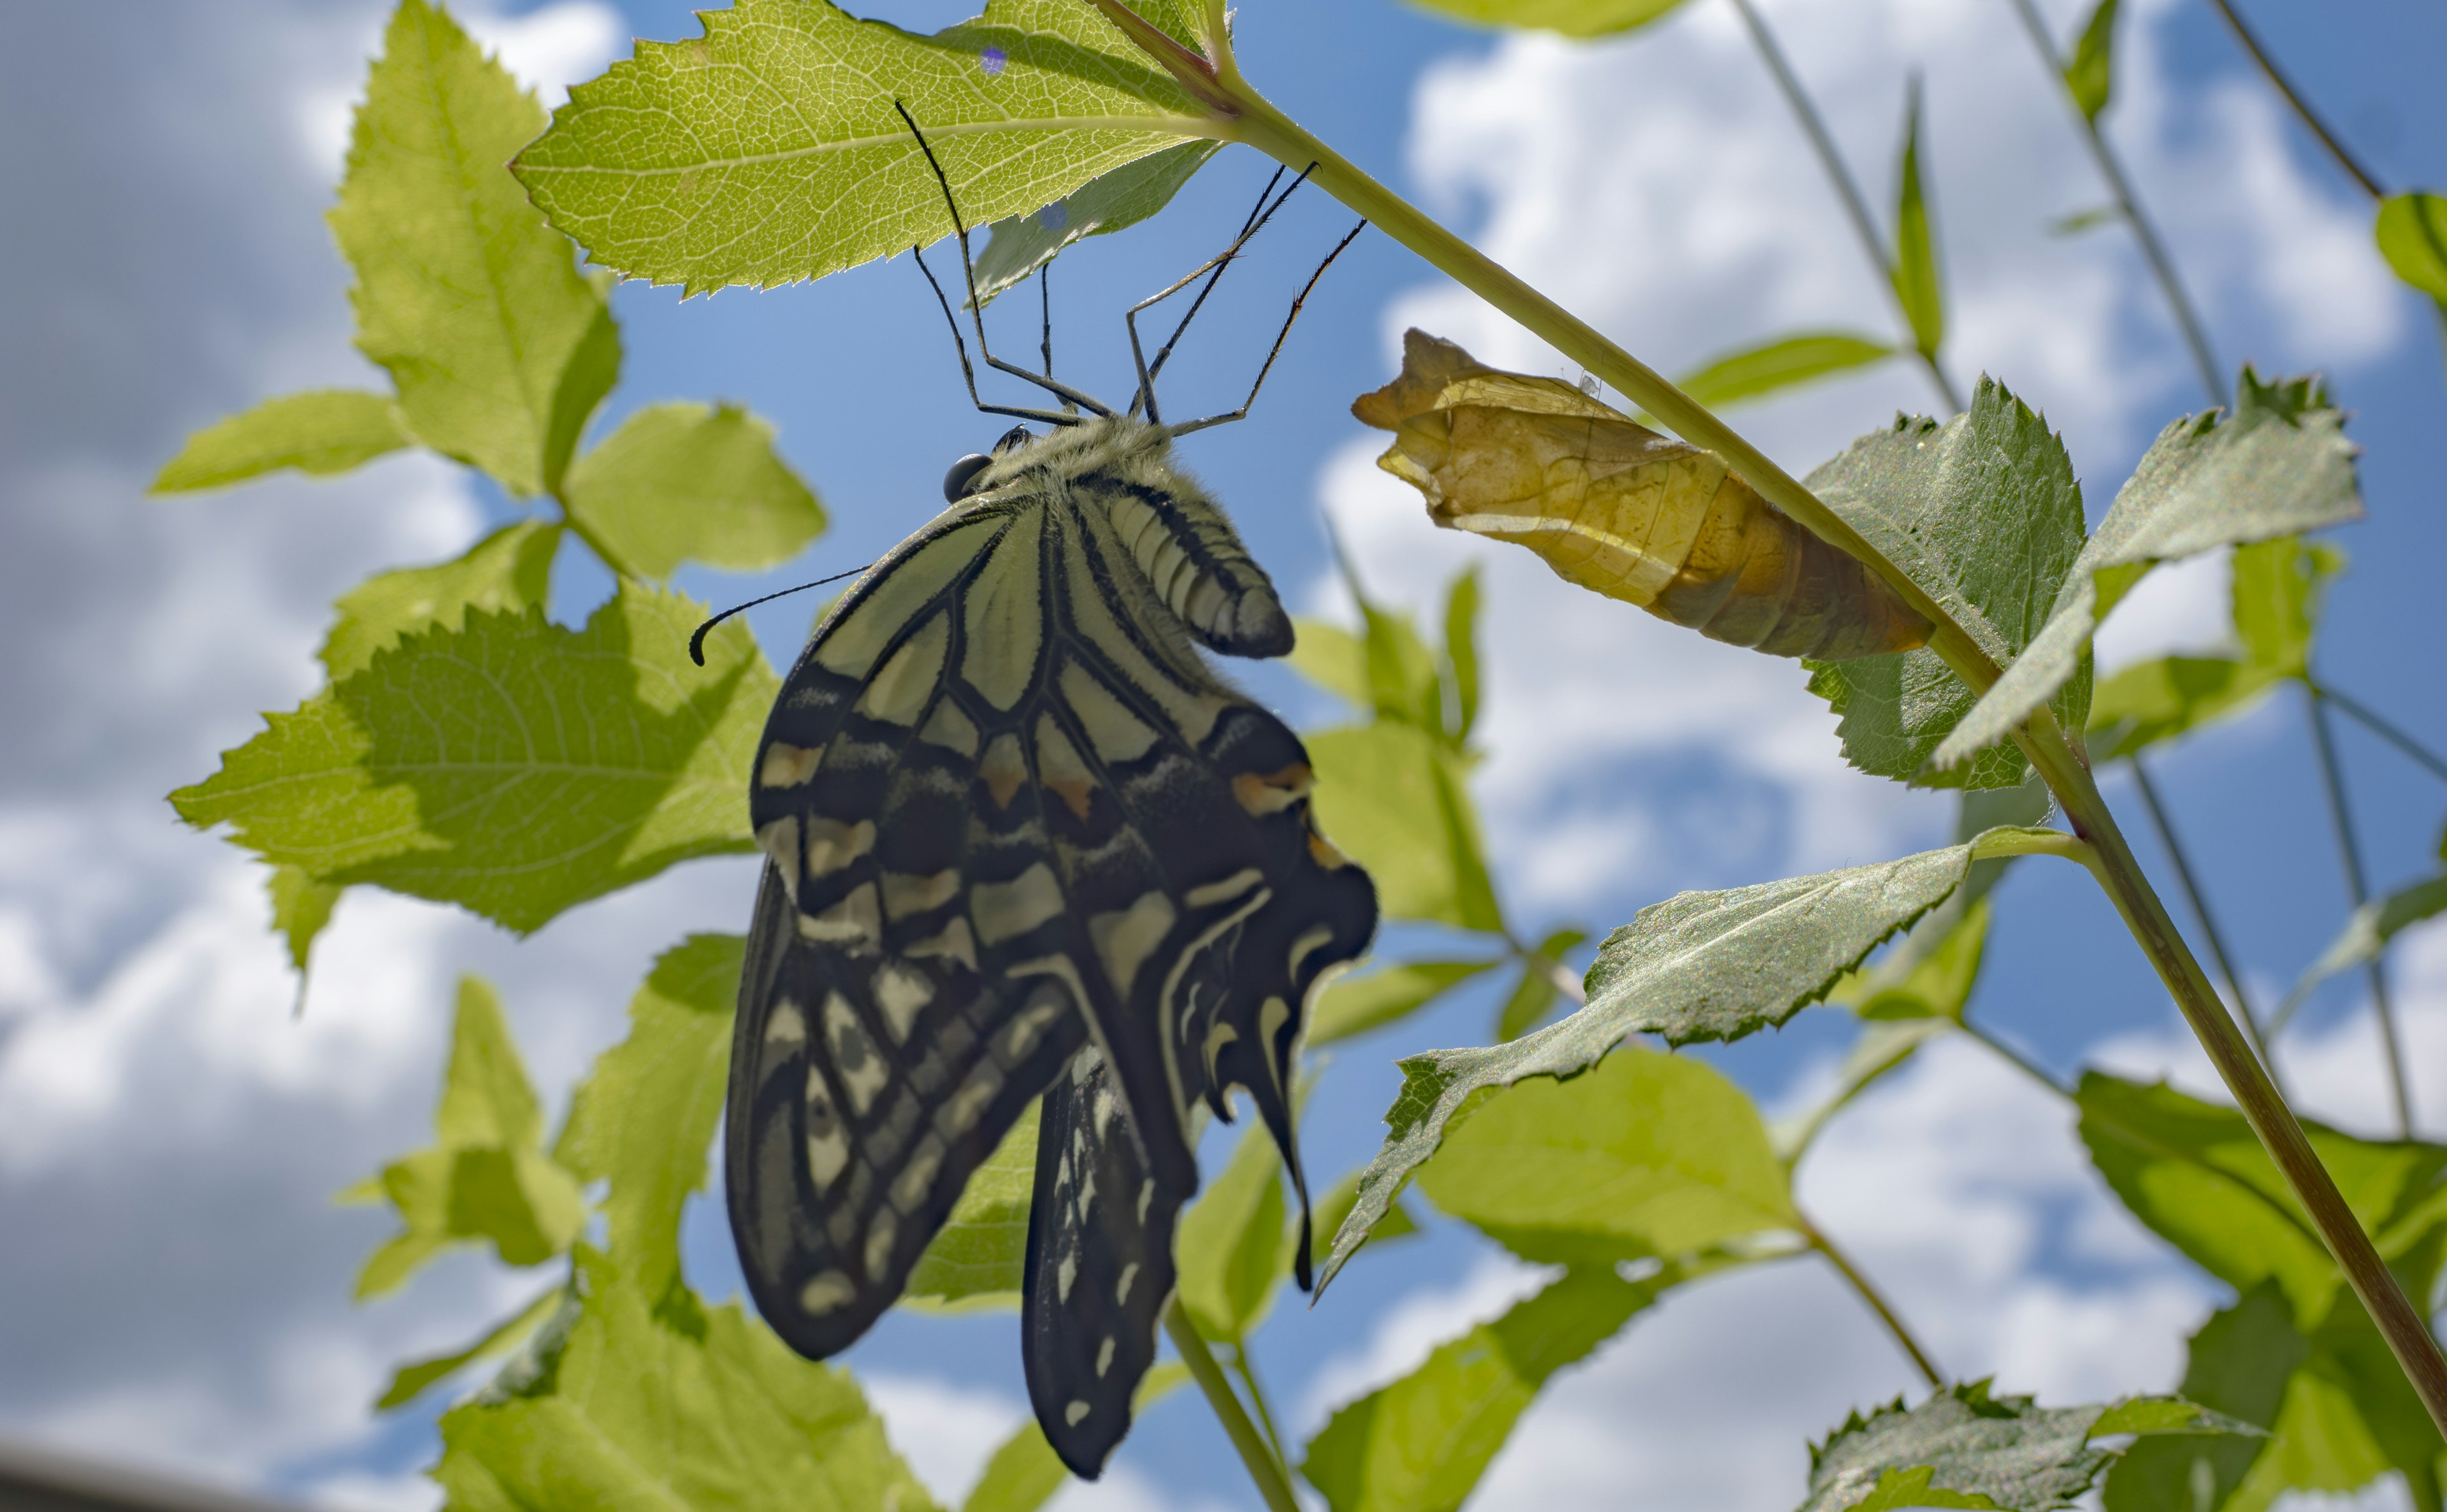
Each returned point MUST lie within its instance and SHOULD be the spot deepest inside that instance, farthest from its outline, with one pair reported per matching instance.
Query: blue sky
(176, 1280)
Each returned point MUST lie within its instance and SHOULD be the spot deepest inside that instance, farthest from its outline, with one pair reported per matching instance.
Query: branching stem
(2362, 714)
(1274, 1482)
(2349, 855)
(1876, 1303)
(1249, 1375)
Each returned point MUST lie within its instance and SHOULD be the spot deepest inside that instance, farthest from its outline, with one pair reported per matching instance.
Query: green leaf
(1648, 1155)
(1535, 993)
(2198, 1177)
(2412, 234)
(978, 1257)
(2349, 1417)
(1024, 1474)
(1354, 1005)
(321, 432)
(506, 572)
(1984, 514)
(2155, 701)
(1461, 650)
(300, 907)
(513, 767)
(1918, 286)
(2279, 465)
(1230, 1249)
(413, 1379)
(645, 1114)
(1333, 658)
(2366, 932)
(2091, 72)
(499, 348)
(2276, 593)
(1780, 363)
(1963, 1447)
(1396, 799)
(1935, 984)
(1336, 1204)
(767, 151)
(1122, 199)
(679, 1408)
(2081, 220)
(484, 1176)
(687, 482)
(1573, 18)
(1420, 1444)
(1698, 966)
(2241, 1361)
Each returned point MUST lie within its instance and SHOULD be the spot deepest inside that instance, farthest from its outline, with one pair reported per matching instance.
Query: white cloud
(946, 1432)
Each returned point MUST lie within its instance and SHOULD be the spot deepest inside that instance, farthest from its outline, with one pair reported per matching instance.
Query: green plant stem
(1856, 207)
(2349, 855)
(2018, 1060)
(1249, 1375)
(2127, 204)
(1274, 1482)
(1876, 1303)
(1244, 115)
(2362, 714)
(2310, 118)
(2200, 905)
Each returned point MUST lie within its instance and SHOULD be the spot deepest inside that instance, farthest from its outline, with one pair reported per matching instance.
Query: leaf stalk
(2310, 118)
(2369, 719)
(1273, 1480)
(1876, 1301)
(2349, 855)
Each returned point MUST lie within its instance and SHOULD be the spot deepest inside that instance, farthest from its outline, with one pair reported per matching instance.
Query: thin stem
(1856, 207)
(2200, 906)
(2349, 853)
(2310, 118)
(2129, 206)
(1249, 1375)
(2018, 1060)
(1273, 1483)
(1868, 1293)
(2370, 720)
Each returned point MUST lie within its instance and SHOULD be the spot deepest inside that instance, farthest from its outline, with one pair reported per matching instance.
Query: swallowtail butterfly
(1022, 840)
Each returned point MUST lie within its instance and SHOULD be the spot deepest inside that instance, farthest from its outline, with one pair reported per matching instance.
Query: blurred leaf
(1420, 1444)
(321, 432)
(1573, 18)
(2195, 1174)
(1783, 362)
(1230, 1246)
(2281, 465)
(1461, 650)
(1535, 993)
(1119, 199)
(2349, 1417)
(514, 767)
(2154, 701)
(1334, 1205)
(2366, 932)
(1024, 1474)
(2091, 72)
(2081, 220)
(413, 1379)
(1881, 1046)
(2276, 591)
(1647, 1155)
(300, 907)
(645, 1114)
(484, 1177)
(2241, 1361)
(767, 151)
(508, 572)
(676, 1406)
(499, 347)
(1333, 658)
(1963, 1447)
(1398, 801)
(1984, 514)
(1403, 681)
(1354, 1005)
(1698, 966)
(1917, 286)
(1933, 985)
(979, 1257)
(685, 482)
(2412, 234)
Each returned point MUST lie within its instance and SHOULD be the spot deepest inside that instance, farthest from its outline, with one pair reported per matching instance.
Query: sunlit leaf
(1354, 1005)
(2089, 73)
(1397, 799)
(2155, 701)
(688, 482)
(2276, 593)
(2349, 1417)
(1461, 650)
(1230, 1246)
(2368, 930)
(644, 1115)
(768, 151)
(499, 348)
(2240, 1361)
(416, 1377)
(1335, 659)
(300, 907)
(1573, 18)
(979, 1255)
(1022, 244)
(1932, 985)
(506, 572)
(2279, 465)
(1784, 362)
(1534, 994)
(1984, 514)
(1963, 1447)
(321, 432)
(2413, 238)
(1918, 285)
(512, 767)
(1698, 966)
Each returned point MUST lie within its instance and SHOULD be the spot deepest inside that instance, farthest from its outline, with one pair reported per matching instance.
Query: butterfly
(1023, 842)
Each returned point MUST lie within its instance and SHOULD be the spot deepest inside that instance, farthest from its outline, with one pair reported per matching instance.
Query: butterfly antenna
(696, 642)
(977, 317)
(1258, 215)
(1349, 236)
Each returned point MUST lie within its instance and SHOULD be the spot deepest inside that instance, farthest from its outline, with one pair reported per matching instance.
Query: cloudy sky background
(175, 1281)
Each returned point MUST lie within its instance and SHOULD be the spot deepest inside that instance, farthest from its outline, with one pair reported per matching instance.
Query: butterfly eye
(963, 473)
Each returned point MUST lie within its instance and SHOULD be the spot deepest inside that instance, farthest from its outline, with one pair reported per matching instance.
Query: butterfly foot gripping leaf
(1625, 512)
(1023, 841)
